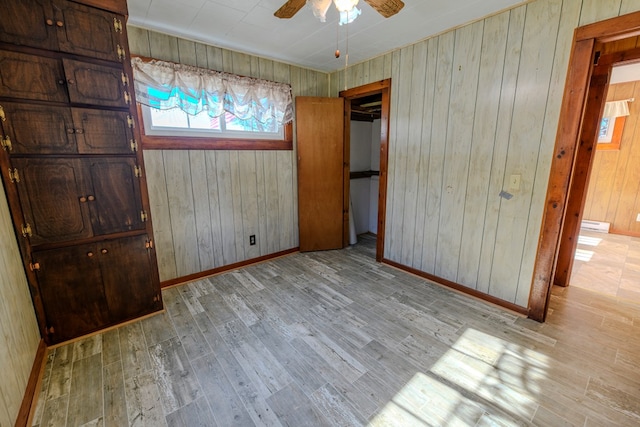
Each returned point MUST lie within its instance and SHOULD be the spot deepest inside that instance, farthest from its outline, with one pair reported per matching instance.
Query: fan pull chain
(346, 56)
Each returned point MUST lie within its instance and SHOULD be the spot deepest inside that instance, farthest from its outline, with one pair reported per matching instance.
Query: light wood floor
(334, 339)
(608, 264)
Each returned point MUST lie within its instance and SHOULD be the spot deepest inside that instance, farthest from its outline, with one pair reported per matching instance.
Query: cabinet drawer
(63, 26)
(96, 84)
(28, 23)
(71, 289)
(37, 129)
(46, 79)
(87, 287)
(70, 199)
(31, 77)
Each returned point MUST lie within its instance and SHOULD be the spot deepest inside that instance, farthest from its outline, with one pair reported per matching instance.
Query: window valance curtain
(617, 108)
(166, 85)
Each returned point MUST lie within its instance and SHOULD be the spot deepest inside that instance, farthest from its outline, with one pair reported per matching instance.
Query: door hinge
(130, 121)
(26, 230)
(596, 58)
(14, 176)
(156, 298)
(34, 266)
(137, 171)
(127, 97)
(148, 244)
(125, 79)
(2, 116)
(122, 54)
(134, 145)
(117, 24)
(6, 143)
(143, 216)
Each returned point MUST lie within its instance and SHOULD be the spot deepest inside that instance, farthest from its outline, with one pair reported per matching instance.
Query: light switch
(514, 182)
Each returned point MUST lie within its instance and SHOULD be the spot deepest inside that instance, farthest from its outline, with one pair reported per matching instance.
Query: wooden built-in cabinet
(71, 167)
(104, 283)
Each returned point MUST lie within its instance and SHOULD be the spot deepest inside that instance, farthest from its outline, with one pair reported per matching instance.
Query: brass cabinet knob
(61, 82)
(80, 131)
(70, 131)
(83, 199)
(89, 254)
(71, 81)
(49, 22)
(60, 23)
(104, 251)
(91, 198)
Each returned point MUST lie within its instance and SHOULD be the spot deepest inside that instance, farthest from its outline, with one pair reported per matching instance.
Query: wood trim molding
(612, 29)
(30, 399)
(214, 271)
(153, 142)
(384, 88)
(570, 147)
(457, 287)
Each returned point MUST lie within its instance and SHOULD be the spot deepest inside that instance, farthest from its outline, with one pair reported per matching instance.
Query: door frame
(572, 155)
(382, 87)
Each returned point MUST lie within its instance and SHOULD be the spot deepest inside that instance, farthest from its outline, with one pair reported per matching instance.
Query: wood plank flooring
(334, 339)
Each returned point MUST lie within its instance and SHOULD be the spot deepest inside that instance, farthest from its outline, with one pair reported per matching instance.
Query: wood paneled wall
(613, 194)
(206, 204)
(469, 109)
(19, 335)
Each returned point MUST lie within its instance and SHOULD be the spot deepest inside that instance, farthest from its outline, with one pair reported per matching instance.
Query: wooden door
(321, 164)
(38, 129)
(128, 277)
(89, 32)
(114, 201)
(95, 84)
(103, 131)
(28, 23)
(53, 198)
(31, 77)
(71, 288)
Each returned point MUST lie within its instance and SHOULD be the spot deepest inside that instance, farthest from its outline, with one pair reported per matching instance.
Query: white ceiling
(249, 26)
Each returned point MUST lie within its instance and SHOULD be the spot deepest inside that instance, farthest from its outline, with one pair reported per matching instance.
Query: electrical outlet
(252, 240)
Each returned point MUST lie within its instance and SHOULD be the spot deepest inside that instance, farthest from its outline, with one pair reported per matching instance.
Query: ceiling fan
(385, 8)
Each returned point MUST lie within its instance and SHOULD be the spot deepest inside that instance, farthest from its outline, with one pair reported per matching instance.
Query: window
(210, 110)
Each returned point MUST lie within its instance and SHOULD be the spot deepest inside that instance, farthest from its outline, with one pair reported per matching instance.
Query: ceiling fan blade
(386, 8)
(290, 8)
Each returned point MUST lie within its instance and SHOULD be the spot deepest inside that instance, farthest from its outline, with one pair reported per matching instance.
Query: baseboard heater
(599, 226)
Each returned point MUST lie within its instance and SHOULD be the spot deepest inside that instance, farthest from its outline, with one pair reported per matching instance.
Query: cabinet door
(103, 131)
(117, 203)
(53, 197)
(29, 23)
(88, 31)
(72, 292)
(39, 130)
(31, 77)
(95, 84)
(131, 287)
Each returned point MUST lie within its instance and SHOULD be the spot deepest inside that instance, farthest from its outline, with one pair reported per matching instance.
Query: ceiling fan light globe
(320, 8)
(345, 5)
(349, 16)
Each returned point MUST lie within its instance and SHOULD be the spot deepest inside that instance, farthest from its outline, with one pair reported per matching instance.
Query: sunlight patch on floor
(588, 240)
(478, 374)
(584, 255)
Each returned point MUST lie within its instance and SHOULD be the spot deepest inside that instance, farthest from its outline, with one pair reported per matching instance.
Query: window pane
(203, 121)
(604, 127)
(174, 118)
(251, 125)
